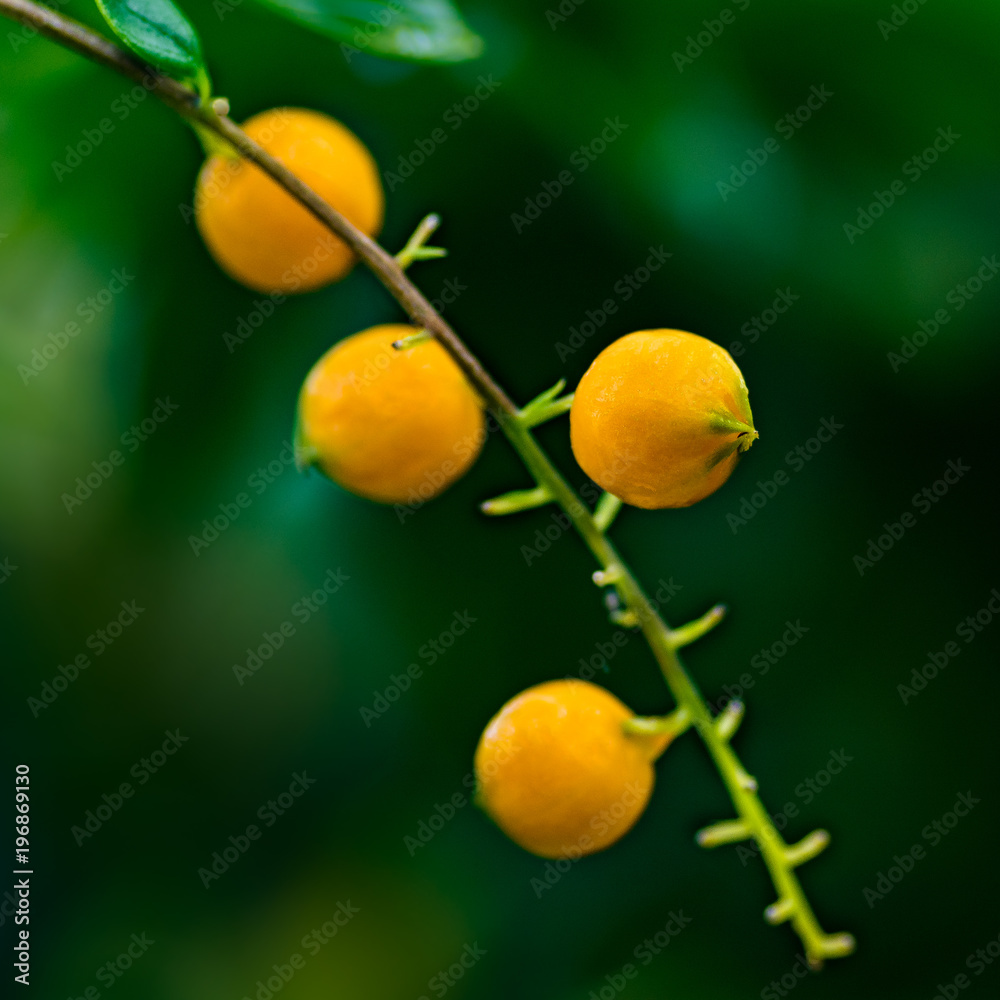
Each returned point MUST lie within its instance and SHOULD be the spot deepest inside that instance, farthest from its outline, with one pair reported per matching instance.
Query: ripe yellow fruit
(660, 418)
(258, 233)
(558, 774)
(396, 426)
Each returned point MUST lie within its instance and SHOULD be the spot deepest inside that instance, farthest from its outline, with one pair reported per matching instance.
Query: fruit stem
(672, 725)
(606, 511)
(664, 643)
(638, 609)
(729, 719)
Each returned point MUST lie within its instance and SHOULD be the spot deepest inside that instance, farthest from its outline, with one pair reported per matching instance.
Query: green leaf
(419, 30)
(157, 31)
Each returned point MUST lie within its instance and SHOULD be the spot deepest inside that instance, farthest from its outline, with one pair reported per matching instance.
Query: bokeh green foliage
(521, 294)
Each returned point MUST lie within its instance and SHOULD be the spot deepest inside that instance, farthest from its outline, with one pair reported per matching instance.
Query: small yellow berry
(557, 773)
(660, 418)
(258, 233)
(396, 426)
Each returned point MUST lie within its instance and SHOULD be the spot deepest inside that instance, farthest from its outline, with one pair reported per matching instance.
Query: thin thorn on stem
(686, 634)
(779, 912)
(517, 501)
(730, 831)
(729, 720)
(625, 617)
(837, 945)
(807, 848)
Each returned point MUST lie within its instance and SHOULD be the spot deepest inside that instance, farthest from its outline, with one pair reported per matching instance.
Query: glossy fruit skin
(392, 426)
(660, 418)
(258, 233)
(557, 773)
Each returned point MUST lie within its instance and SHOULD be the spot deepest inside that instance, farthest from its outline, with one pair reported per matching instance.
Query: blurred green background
(690, 125)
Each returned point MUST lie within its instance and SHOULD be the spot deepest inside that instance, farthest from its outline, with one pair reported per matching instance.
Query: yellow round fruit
(660, 418)
(396, 426)
(258, 233)
(558, 774)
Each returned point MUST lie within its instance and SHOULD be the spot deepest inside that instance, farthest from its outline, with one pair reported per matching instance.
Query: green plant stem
(779, 858)
(664, 643)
